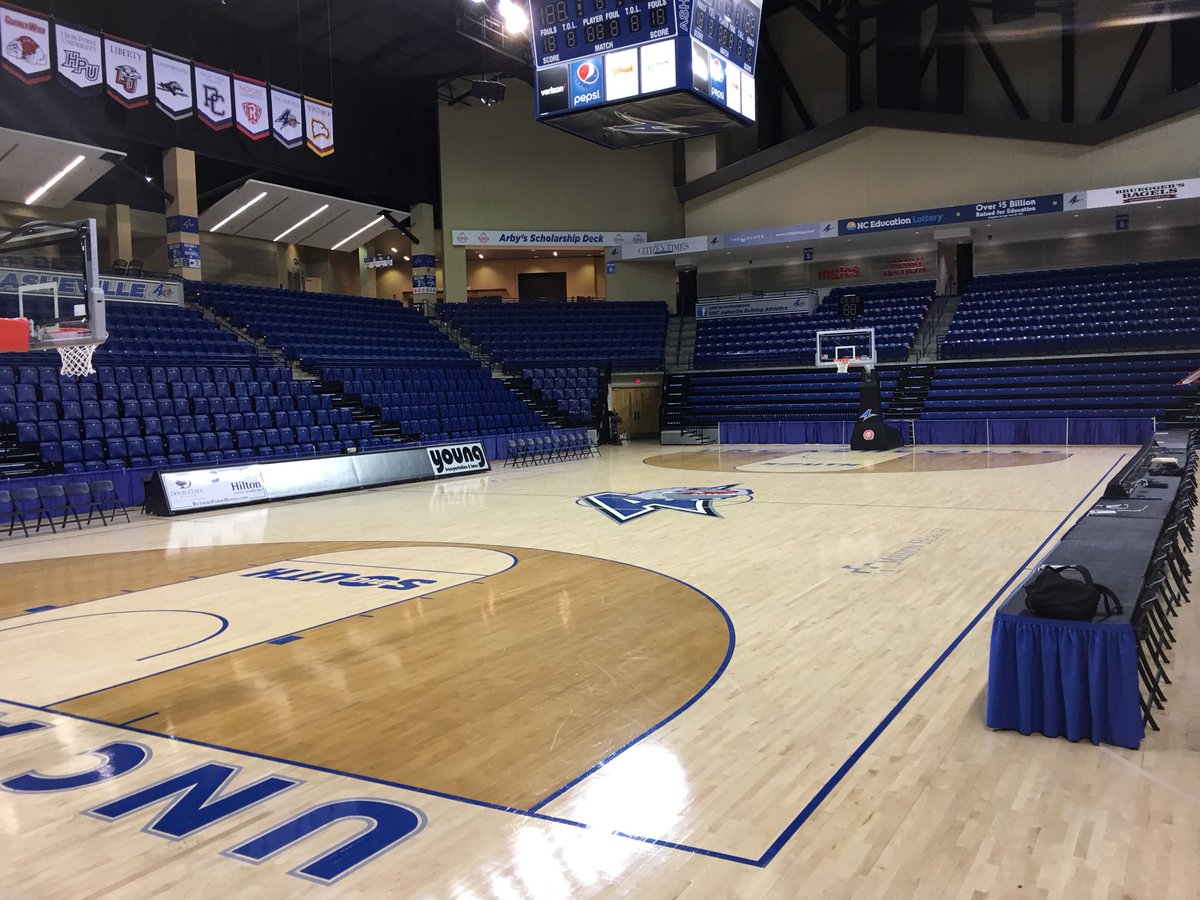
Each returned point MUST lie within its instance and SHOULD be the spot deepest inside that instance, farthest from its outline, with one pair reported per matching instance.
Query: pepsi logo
(588, 73)
(716, 71)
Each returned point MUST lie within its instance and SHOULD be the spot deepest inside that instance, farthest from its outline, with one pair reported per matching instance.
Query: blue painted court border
(776, 846)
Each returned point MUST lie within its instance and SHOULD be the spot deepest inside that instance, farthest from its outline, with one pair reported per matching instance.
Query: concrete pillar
(183, 226)
(700, 156)
(366, 277)
(119, 232)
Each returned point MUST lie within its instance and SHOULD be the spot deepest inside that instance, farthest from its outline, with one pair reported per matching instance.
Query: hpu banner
(318, 125)
(213, 91)
(172, 85)
(250, 107)
(286, 110)
(80, 56)
(144, 290)
(126, 71)
(25, 38)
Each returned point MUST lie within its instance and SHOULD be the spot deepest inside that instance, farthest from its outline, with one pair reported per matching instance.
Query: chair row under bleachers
(573, 389)
(764, 397)
(1113, 308)
(895, 311)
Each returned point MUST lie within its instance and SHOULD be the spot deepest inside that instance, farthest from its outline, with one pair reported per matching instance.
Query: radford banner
(803, 302)
(250, 107)
(474, 237)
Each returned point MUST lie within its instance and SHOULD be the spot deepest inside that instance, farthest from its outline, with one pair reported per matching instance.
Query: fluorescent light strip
(37, 195)
(314, 213)
(233, 215)
(357, 233)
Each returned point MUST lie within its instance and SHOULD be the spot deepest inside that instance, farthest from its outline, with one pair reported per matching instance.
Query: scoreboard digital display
(572, 29)
(632, 72)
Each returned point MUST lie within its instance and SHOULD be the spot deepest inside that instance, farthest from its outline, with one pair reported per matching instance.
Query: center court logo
(622, 508)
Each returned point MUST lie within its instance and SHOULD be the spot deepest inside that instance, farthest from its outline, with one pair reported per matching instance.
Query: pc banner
(318, 125)
(172, 85)
(80, 56)
(286, 110)
(126, 72)
(250, 107)
(213, 92)
(25, 38)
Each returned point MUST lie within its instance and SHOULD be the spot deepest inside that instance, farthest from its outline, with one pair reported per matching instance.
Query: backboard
(842, 348)
(49, 280)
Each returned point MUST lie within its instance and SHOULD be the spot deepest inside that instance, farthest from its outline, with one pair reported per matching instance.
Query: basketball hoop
(843, 364)
(77, 359)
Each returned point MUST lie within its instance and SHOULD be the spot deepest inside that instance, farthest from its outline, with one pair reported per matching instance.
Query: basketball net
(843, 364)
(77, 359)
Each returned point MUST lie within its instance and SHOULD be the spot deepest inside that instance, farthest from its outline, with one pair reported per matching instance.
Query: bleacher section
(895, 312)
(1099, 309)
(772, 396)
(1085, 401)
(628, 336)
(390, 357)
(437, 403)
(144, 417)
(573, 389)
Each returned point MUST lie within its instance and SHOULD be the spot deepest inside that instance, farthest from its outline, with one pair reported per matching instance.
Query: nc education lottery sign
(474, 237)
(953, 215)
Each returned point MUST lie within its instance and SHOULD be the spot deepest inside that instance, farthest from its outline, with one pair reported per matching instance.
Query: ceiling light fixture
(237, 212)
(311, 215)
(394, 250)
(351, 237)
(481, 256)
(556, 253)
(406, 259)
(66, 170)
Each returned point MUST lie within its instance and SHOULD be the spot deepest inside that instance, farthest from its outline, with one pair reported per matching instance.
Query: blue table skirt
(1076, 680)
(949, 431)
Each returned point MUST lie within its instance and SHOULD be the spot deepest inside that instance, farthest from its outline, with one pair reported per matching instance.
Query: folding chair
(10, 511)
(106, 495)
(22, 498)
(510, 454)
(53, 498)
(79, 495)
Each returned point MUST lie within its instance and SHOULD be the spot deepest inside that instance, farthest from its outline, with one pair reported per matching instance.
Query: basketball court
(744, 671)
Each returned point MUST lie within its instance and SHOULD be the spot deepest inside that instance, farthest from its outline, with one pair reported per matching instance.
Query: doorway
(542, 285)
(638, 409)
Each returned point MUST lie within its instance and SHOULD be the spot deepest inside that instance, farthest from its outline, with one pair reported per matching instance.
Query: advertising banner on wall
(476, 237)
(785, 235)
(1155, 192)
(799, 302)
(905, 267)
(676, 247)
(115, 287)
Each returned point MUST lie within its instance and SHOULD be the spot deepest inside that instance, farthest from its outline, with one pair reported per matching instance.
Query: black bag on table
(1052, 595)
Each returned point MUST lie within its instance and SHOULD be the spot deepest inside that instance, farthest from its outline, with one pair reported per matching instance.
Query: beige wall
(500, 275)
(880, 170)
(1088, 250)
(502, 169)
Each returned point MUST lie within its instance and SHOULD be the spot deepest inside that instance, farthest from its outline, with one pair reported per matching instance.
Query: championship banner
(213, 97)
(126, 72)
(172, 85)
(286, 110)
(25, 38)
(318, 125)
(80, 55)
(250, 107)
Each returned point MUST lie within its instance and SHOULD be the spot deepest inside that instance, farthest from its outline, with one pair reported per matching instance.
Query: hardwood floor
(382, 652)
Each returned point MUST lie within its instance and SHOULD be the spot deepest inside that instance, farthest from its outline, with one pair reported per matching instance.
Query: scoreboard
(632, 72)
